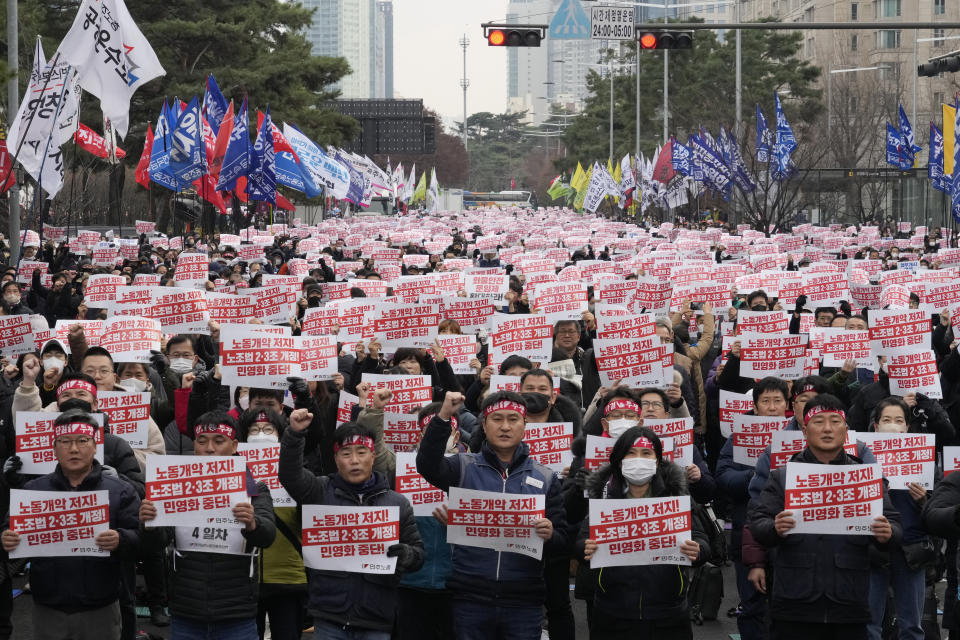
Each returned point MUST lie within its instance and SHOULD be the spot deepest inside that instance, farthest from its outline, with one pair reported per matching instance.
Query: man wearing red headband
(496, 595)
(821, 583)
(345, 604)
(78, 597)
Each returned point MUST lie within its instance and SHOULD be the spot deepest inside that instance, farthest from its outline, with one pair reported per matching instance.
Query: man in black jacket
(821, 582)
(364, 604)
(214, 594)
(78, 597)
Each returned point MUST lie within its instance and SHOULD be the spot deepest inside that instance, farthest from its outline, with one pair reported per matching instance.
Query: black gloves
(159, 361)
(407, 558)
(300, 392)
(801, 301)
(203, 381)
(11, 472)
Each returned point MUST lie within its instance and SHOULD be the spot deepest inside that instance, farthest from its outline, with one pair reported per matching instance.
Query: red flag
(283, 203)
(279, 142)
(91, 141)
(207, 189)
(220, 149)
(663, 171)
(513, 183)
(143, 167)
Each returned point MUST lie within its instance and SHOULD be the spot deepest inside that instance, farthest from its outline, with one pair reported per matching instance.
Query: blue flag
(784, 143)
(731, 155)
(187, 153)
(935, 159)
(291, 174)
(236, 160)
(214, 104)
(763, 137)
(262, 181)
(357, 182)
(160, 151)
(716, 174)
(681, 158)
(906, 132)
(955, 183)
(893, 145)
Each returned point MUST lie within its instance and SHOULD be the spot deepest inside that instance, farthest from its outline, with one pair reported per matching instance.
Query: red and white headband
(642, 442)
(74, 429)
(77, 383)
(804, 389)
(221, 428)
(355, 439)
(818, 409)
(427, 418)
(506, 405)
(621, 404)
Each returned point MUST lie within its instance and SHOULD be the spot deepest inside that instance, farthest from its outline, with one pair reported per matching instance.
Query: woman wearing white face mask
(283, 582)
(646, 602)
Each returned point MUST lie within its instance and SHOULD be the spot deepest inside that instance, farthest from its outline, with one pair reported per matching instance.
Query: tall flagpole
(13, 102)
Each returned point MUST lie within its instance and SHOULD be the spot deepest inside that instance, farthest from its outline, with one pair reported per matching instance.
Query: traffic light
(514, 35)
(939, 65)
(662, 39)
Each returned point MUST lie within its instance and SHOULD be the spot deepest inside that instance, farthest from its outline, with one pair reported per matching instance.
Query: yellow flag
(578, 177)
(420, 192)
(582, 191)
(949, 126)
(616, 174)
(609, 167)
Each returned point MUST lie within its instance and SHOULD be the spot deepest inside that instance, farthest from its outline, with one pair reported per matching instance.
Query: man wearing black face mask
(758, 301)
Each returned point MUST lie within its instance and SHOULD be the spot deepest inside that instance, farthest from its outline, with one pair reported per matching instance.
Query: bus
(499, 199)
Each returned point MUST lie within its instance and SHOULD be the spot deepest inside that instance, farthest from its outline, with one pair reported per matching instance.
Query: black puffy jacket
(366, 601)
(818, 577)
(81, 583)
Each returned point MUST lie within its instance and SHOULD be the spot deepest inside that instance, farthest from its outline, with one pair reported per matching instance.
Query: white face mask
(263, 437)
(132, 384)
(618, 426)
(49, 364)
(181, 365)
(244, 402)
(638, 471)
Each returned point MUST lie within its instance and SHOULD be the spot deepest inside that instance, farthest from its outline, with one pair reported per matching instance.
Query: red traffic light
(496, 38)
(648, 41)
(514, 35)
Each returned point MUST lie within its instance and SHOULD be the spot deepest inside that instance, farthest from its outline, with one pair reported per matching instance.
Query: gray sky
(428, 60)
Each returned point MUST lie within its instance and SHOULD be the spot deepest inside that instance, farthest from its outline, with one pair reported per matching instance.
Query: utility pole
(464, 82)
(13, 103)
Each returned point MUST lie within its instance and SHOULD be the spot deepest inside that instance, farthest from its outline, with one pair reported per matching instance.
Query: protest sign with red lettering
(263, 459)
(623, 324)
(653, 294)
(904, 457)
(528, 335)
(680, 431)
(459, 350)
(180, 311)
(129, 414)
(786, 444)
(731, 405)
(914, 373)
(54, 234)
(471, 315)
(318, 357)
(104, 255)
(550, 443)
(561, 301)
(353, 539)
(34, 441)
(409, 392)
(409, 288)
(752, 434)
(144, 226)
(228, 307)
(640, 531)
(951, 460)
(825, 289)
(58, 523)
(101, 290)
(635, 361)
(842, 344)
(898, 332)
(345, 405)
(486, 286)
(16, 335)
(423, 496)
(192, 270)
(92, 330)
(598, 452)
(494, 520)
(406, 325)
(401, 431)
(765, 354)
(354, 318)
(615, 291)
(318, 321)
(133, 300)
(130, 339)
(252, 358)
(275, 304)
(196, 490)
(833, 499)
(26, 268)
(763, 321)
(940, 296)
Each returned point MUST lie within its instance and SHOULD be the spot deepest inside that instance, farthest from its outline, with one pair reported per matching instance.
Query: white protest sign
(101, 290)
(210, 539)
(636, 361)
(16, 335)
(765, 354)
(549, 443)
(192, 269)
(409, 393)
(914, 373)
(842, 344)
(459, 350)
(196, 490)
(752, 434)
(680, 431)
(895, 332)
(130, 339)
(786, 444)
(251, 358)
(406, 325)
(180, 311)
(528, 335)
(498, 521)
(640, 531)
(263, 459)
(833, 499)
(34, 441)
(423, 496)
(951, 460)
(318, 357)
(401, 431)
(352, 539)
(58, 523)
(731, 405)
(129, 415)
(598, 452)
(904, 457)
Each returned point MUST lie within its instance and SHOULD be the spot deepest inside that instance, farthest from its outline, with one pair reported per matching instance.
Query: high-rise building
(362, 32)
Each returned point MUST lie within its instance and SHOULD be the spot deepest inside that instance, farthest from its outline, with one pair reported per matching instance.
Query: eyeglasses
(568, 332)
(68, 443)
(266, 429)
(650, 404)
(93, 373)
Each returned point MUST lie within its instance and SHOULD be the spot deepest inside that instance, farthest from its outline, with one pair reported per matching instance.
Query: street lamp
(830, 94)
